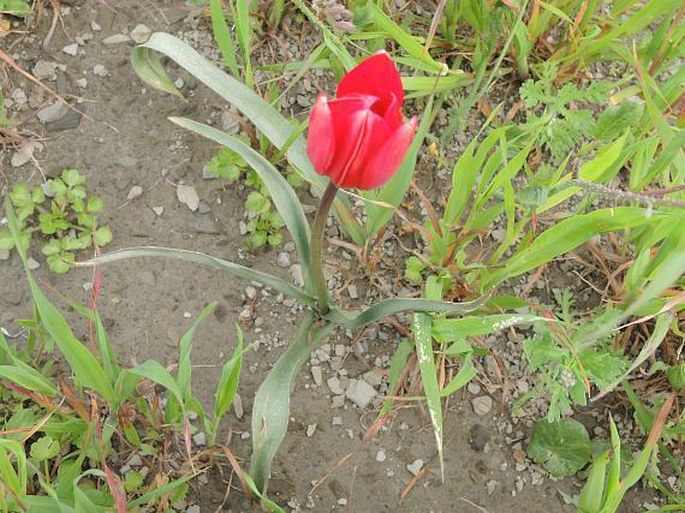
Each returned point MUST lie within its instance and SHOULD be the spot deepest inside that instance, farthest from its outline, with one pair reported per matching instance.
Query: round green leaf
(562, 447)
(103, 236)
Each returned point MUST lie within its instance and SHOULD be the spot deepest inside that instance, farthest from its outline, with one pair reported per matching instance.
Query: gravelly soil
(122, 140)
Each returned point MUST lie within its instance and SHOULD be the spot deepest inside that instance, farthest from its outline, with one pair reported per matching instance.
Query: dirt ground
(123, 139)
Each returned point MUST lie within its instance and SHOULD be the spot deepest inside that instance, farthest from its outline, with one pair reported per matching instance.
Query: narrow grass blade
(23, 374)
(185, 346)
(222, 34)
(282, 194)
(210, 261)
(590, 499)
(228, 383)
(14, 479)
(408, 42)
(399, 359)
(155, 372)
(271, 410)
(421, 329)
(87, 370)
(566, 236)
(394, 306)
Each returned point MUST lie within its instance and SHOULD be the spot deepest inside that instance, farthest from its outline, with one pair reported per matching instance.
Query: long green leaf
(150, 69)
(394, 306)
(282, 194)
(23, 374)
(228, 384)
(271, 409)
(222, 34)
(154, 371)
(87, 370)
(566, 236)
(210, 261)
(185, 346)
(423, 339)
(268, 120)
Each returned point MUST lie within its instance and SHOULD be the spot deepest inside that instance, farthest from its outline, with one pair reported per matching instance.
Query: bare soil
(123, 139)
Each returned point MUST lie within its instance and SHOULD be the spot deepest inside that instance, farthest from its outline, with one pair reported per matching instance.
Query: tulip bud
(359, 138)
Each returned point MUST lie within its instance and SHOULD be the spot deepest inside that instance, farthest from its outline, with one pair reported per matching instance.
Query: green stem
(316, 247)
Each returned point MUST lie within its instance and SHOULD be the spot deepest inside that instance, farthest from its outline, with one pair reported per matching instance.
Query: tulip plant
(358, 140)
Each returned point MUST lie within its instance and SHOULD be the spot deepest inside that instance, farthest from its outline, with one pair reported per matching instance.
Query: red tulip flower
(359, 138)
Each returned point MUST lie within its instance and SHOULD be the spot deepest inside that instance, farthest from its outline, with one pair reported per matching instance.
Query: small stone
(45, 70)
(340, 350)
(380, 456)
(336, 421)
(352, 291)
(311, 428)
(479, 437)
(342, 501)
(334, 386)
(141, 33)
(491, 486)
(193, 509)
(415, 466)
(100, 71)
(18, 96)
(25, 153)
(245, 436)
(33, 264)
(238, 409)
(71, 49)
(81, 82)
(296, 274)
(481, 405)
(338, 401)
(474, 388)
(317, 375)
(95, 26)
(179, 83)
(158, 210)
(187, 195)
(204, 208)
(116, 39)
(283, 259)
(242, 228)
(135, 460)
(135, 192)
(250, 292)
(373, 378)
(200, 438)
(52, 112)
(4, 254)
(360, 393)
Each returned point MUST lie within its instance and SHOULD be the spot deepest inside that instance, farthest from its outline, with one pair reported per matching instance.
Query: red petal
(358, 133)
(375, 76)
(387, 159)
(321, 138)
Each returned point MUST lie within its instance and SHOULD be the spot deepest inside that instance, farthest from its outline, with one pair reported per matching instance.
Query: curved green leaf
(394, 306)
(146, 63)
(271, 410)
(282, 194)
(268, 120)
(200, 258)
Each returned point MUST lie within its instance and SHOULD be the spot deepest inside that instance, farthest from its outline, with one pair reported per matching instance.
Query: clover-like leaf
(562, 447)
(44, 448)
(102, 236)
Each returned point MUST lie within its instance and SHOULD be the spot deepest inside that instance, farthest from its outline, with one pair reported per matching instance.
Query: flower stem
(316, 246)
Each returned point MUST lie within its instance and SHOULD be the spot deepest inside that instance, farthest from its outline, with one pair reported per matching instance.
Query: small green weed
(61, 210)
(15, 7)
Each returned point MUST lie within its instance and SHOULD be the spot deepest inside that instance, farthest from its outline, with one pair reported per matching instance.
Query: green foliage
(555, 113)
(64, 465)
(562, 447)
(61, 210)
(19, 8)
(564, 368)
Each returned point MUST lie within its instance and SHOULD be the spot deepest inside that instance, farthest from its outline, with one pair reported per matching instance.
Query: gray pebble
(482, 405)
